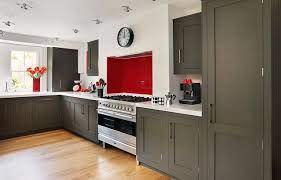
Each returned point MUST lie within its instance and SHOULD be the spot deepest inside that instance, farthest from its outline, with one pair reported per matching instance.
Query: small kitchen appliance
(192, 93)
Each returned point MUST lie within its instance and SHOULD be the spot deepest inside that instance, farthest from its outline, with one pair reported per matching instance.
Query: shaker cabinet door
(188, 45)
(152, 143)
(184, 147)
(235, 89)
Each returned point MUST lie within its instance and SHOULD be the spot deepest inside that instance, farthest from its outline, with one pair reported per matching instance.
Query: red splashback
(130, 74)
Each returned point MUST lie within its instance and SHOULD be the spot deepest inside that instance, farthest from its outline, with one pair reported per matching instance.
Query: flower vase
(36, 85)
(100, 93)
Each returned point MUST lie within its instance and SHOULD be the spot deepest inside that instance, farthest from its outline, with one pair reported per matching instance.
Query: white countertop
(192, 110)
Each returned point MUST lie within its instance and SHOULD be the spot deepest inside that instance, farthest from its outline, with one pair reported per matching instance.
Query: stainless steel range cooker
(117, 121)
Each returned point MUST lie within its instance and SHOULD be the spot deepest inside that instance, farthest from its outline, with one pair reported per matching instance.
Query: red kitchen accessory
(77, 87)
(187, 81)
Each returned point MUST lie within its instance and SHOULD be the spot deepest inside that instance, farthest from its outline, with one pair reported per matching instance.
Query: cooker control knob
(130, 109)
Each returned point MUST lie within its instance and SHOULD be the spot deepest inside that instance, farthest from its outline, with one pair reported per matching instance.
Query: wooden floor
(60, 155)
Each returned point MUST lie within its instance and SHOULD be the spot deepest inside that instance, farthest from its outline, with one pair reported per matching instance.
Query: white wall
(175, 80)
(37, 41)
(5, 62)
(153, 32)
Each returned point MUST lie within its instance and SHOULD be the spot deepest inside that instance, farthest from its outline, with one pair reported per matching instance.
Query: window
(20, 61)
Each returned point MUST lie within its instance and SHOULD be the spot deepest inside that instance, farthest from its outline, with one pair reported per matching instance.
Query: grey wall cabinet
(233, 60)
(168, 142)
(93, 58)
(188, 45)
(80, 116)
(62, 69)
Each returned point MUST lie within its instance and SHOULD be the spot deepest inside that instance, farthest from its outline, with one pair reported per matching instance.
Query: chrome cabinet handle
(60, 84)
(179, 56)
(82, 109)
(171, 131)
(211, 113)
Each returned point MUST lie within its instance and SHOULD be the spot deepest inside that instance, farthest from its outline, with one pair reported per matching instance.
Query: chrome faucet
(6, 87)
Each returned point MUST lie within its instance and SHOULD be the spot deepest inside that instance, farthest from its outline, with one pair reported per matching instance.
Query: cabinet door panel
(188, 44)
(93, 57)
(235, 89)
(22, 116)
(152, 140)
(81, 123)
(183, 147)
(6, 123)
(93, 122)
(68, 113)
(46, 113)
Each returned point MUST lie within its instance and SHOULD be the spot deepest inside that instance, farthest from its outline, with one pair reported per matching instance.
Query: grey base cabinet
(19, 116)
(169, 143)
(80, 116)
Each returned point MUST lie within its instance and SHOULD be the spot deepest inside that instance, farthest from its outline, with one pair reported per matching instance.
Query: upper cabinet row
(188, 45)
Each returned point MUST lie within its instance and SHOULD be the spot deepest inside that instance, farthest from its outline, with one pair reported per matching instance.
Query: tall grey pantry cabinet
(62, 69)
(233, 88)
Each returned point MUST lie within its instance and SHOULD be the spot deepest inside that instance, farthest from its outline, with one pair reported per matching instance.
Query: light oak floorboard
(60, 155)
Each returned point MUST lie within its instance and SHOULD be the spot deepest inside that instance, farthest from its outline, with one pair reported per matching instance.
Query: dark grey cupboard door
(22, 115)
(152, 143)
(235, 89)
(63, 68)
(183, 147)
(188, 44)
(93, 58)
(81, 122)
(93, 121)
(68, 114)
(6, 123)
(46, 113)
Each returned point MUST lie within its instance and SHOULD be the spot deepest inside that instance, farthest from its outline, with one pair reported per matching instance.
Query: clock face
(125, 37)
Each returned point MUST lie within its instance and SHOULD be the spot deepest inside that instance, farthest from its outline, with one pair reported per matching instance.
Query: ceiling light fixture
(8, 23)
(127, 8)
(2, 33)
(75, 31)
(97, 21)
(24, 6)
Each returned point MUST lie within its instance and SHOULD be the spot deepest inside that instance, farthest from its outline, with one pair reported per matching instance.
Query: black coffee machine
(192, 93)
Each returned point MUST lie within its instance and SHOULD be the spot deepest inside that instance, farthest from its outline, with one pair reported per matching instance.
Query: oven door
(119, 122)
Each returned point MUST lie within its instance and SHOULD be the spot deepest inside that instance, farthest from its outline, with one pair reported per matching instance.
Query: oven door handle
(118, 115)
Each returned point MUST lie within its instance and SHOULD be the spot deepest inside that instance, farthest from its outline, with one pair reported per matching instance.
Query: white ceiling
(57, 18)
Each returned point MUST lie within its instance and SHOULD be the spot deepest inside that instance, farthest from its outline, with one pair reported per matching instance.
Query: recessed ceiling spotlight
(24, 6)
(8, 23)
(127, 8)
(75, 31)
(97, 21)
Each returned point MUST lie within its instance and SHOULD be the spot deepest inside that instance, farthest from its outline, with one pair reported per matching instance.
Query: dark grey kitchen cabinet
(62, 69)
(183, 147)
(93, 121)
(81, 121)
(46, 113)
(80, 116)
(20, 116)
(233, 73)
(152, 139)
(188, 45)
(67, 114)
(169, 142)
(6, 124)
(93, 58)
